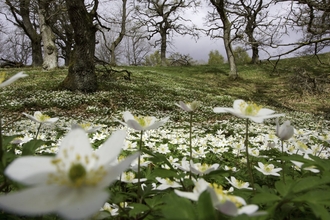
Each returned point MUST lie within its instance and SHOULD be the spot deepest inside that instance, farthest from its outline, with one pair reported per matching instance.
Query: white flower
(201, 169)
(285, 131)
(112, 209)
(189, 107)
(268, 169)
(249, 110)
(72, 184)
(41, 118)
(88, 127)
(239, 184)
(11, 79)
(166, 183)
(141, 123)
(129, 177)
(299, 165)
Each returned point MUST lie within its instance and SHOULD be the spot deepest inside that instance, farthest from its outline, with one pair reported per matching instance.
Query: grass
(217, 138)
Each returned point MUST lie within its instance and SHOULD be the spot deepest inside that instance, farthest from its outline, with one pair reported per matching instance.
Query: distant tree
(24, 13)
(136, 46)
(153, 59)
(81, 75)
(178, 59)
(164, 17)
(215, 58)
(50, 59)
(241, 56)
(222, 28)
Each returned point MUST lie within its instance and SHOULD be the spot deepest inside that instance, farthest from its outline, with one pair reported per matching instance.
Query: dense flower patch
(192, 165)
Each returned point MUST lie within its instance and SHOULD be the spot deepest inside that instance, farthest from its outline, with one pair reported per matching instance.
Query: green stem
(282, 162)
(1, 147)
(190, 144)
(38, 131)
(139, 164)
(246, 143)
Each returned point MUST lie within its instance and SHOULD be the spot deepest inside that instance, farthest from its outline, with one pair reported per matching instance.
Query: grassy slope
(157, 88)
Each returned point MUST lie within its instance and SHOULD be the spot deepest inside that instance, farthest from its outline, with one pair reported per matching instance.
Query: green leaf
(320, 211)
(163, 173)
(178, 208)
(205, 207)
(265, 198)
(137, 209)
(283, 188)
(30, 147)
(309, 183)
(315, 196)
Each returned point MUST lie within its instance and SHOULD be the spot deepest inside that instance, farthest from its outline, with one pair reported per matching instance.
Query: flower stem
(246, 143)
(139, 163)
(190, 143)
(282, 162)
(38, 131)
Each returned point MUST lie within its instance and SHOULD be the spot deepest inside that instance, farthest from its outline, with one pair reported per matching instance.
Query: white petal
(228, 208)
(114, 171)
(248, 209)
(30, 169)
(112, 147)
(134, 124)
(73, 146)
(221, 110)
(83, 203)
(51, 120)
(31, 117)
(157, 124)
(128, 116)
(188, 195)
(265, 111)
(238, 103)
(13, 79)
(32, 201)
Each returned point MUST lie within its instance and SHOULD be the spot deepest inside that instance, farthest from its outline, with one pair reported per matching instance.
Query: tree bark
(81, 75)
(48, 38)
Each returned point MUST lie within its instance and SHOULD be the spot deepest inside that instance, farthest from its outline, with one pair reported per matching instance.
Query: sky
(200, 49)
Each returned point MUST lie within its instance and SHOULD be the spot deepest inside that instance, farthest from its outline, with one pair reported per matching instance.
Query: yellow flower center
(77, 175)
(143, 121)
(223, 196)
(269, 167)
(42, 117)
(85, 126)
(2, 77)
(250, 108)
(194, 105)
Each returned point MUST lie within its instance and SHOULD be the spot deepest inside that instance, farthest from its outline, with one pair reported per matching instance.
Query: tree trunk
(81, 75)
(229, 51)
(163, 47)
(48, 38)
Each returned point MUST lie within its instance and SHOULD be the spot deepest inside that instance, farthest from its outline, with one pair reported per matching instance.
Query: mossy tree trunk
(81, 75)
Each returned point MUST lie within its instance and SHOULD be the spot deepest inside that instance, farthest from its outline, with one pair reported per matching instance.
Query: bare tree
(223, 30)
(164, 17)
(48, 37)
(311, 18)
(24, 13)
(255, 20)
(136, 47)
(81, 75)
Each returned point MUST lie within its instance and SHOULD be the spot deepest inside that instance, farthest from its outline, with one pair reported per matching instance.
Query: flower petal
(13, 79)
(134, 124)
(157, 124)
(75, 143)
(221, 110)
(30, 169)
(51, 120)
(31, 117)
(33, 201)
(83, 203)
(265, 111)
(188, 195)
(237, 105)
(228, 208)
(114, 171)
(248, 209)
(128, 116)
(112, 147)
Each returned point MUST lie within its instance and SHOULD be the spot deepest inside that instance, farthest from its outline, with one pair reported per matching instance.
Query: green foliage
(153, 59)
(215, 58)
(241, 56)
